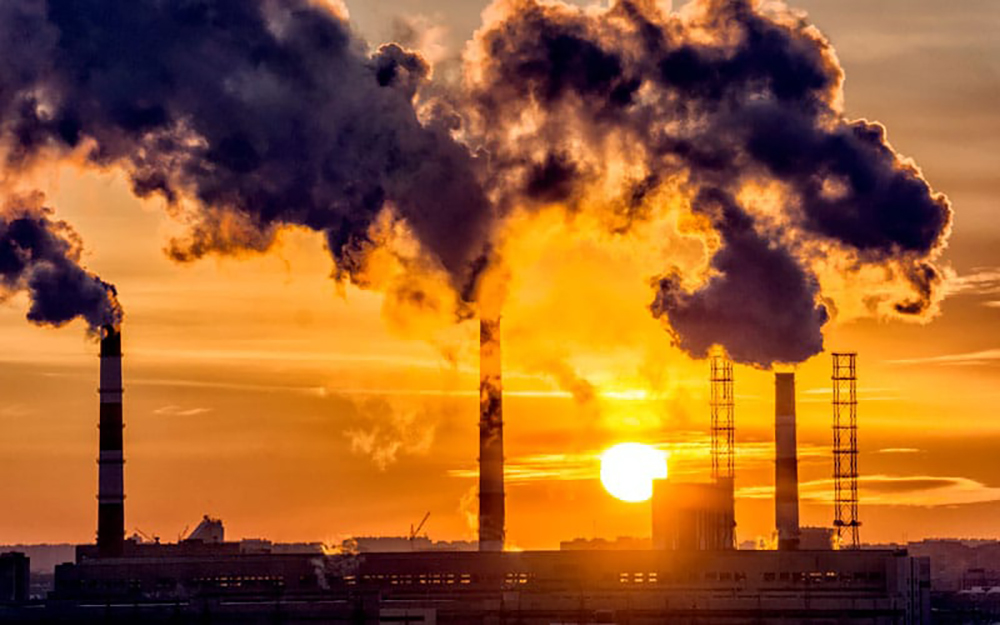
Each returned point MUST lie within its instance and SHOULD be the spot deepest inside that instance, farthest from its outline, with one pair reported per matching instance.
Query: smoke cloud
(384, 431)
(260, 114)
(761, 304)
(41, 256)
(721, 99)
(248, 116)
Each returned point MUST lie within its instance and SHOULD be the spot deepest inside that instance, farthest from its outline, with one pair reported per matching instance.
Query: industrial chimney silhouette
(111, 480)
(491, 491)
(786, 468)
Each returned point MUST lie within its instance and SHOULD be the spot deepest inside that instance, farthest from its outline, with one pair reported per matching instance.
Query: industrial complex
(690, 570)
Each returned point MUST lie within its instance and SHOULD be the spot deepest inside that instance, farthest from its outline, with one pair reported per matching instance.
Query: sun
(628, 470)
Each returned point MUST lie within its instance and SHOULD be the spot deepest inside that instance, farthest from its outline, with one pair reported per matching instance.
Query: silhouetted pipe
(786, 467)
(491, 492)
(111, 479)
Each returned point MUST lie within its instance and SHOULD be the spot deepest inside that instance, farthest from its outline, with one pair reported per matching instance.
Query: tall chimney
(111, 480)
(786, 467)
(491, 495)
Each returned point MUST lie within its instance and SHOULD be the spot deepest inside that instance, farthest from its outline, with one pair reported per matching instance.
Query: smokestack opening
(786, 469)
(491, 486)
(111, 480)
(111, 341)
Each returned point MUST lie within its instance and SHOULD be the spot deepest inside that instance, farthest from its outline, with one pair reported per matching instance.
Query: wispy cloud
(384, 430)
(982, 281)
(913, 490)
(178, 411)
(544, 467)
(688, 459)
(983, 357)
(899, 450)
(823, 395)
(277, 355)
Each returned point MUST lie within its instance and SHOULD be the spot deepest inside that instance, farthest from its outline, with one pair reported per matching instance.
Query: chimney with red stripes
(111, 479)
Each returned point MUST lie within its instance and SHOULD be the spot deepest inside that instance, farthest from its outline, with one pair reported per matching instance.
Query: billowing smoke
(42, 257)
(784, 321)
(252, 115)
(730, 105)
(264, 114)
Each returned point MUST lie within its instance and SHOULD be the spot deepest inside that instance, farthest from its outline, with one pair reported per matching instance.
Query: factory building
(649, 586)
(692, 517)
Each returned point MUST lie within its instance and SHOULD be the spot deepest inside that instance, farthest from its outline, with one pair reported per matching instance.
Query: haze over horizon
(260, 391)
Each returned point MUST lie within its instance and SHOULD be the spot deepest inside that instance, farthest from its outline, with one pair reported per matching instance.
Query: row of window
(406, 579)
(512, 579)
(239, 581)
(798, 577)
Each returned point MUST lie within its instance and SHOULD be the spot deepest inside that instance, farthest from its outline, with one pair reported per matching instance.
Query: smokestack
(786, 468)
(491, 496)
(111, 480)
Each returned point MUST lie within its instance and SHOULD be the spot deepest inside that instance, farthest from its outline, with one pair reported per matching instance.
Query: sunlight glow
(628, 470)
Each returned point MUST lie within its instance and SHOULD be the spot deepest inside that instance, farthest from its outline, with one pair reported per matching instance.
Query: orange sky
(259, 393)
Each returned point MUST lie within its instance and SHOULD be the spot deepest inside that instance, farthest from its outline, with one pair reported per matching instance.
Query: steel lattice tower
(722, 418)
(845, 448)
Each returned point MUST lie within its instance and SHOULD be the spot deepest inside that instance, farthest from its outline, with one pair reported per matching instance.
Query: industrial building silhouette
(690, 571)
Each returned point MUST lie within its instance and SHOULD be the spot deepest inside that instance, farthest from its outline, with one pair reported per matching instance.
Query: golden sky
(259, 392)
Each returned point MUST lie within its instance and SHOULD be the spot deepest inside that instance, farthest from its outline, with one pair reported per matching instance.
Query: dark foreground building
(15, 578)
(221, 585)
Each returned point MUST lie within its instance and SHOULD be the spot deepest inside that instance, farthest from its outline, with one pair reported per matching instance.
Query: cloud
(981, 281)
(914, 490)
(980, 358)
(177, 411)
(735, 112)
(383, 430)
(544, 468)
(246, 117)
(899, 450)
(41, 256)
(824, 395)
(253, 117)
(688, 454)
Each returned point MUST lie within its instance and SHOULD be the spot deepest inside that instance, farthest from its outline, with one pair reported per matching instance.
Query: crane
(415, 531)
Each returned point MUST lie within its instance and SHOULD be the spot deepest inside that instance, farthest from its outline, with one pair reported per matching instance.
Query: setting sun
(628, 470)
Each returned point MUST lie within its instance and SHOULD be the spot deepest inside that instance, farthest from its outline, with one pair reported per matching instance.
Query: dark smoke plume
(266, 114)
(716, 99)
(42, 256)
(253, 115)
(761, 304)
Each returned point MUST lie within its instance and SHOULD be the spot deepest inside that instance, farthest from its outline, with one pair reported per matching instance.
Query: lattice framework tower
(723, 408)
(845, 449)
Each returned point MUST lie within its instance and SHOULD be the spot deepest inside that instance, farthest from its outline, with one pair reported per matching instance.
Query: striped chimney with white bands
(111, 478)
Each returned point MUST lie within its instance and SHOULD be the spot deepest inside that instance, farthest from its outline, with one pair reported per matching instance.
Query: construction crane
(420, 526)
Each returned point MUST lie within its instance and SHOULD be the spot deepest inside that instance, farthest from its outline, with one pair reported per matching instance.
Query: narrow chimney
(786, 469)
(111, 481)
(491, 495)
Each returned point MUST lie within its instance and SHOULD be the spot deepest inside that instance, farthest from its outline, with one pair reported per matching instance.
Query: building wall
(536, 587)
